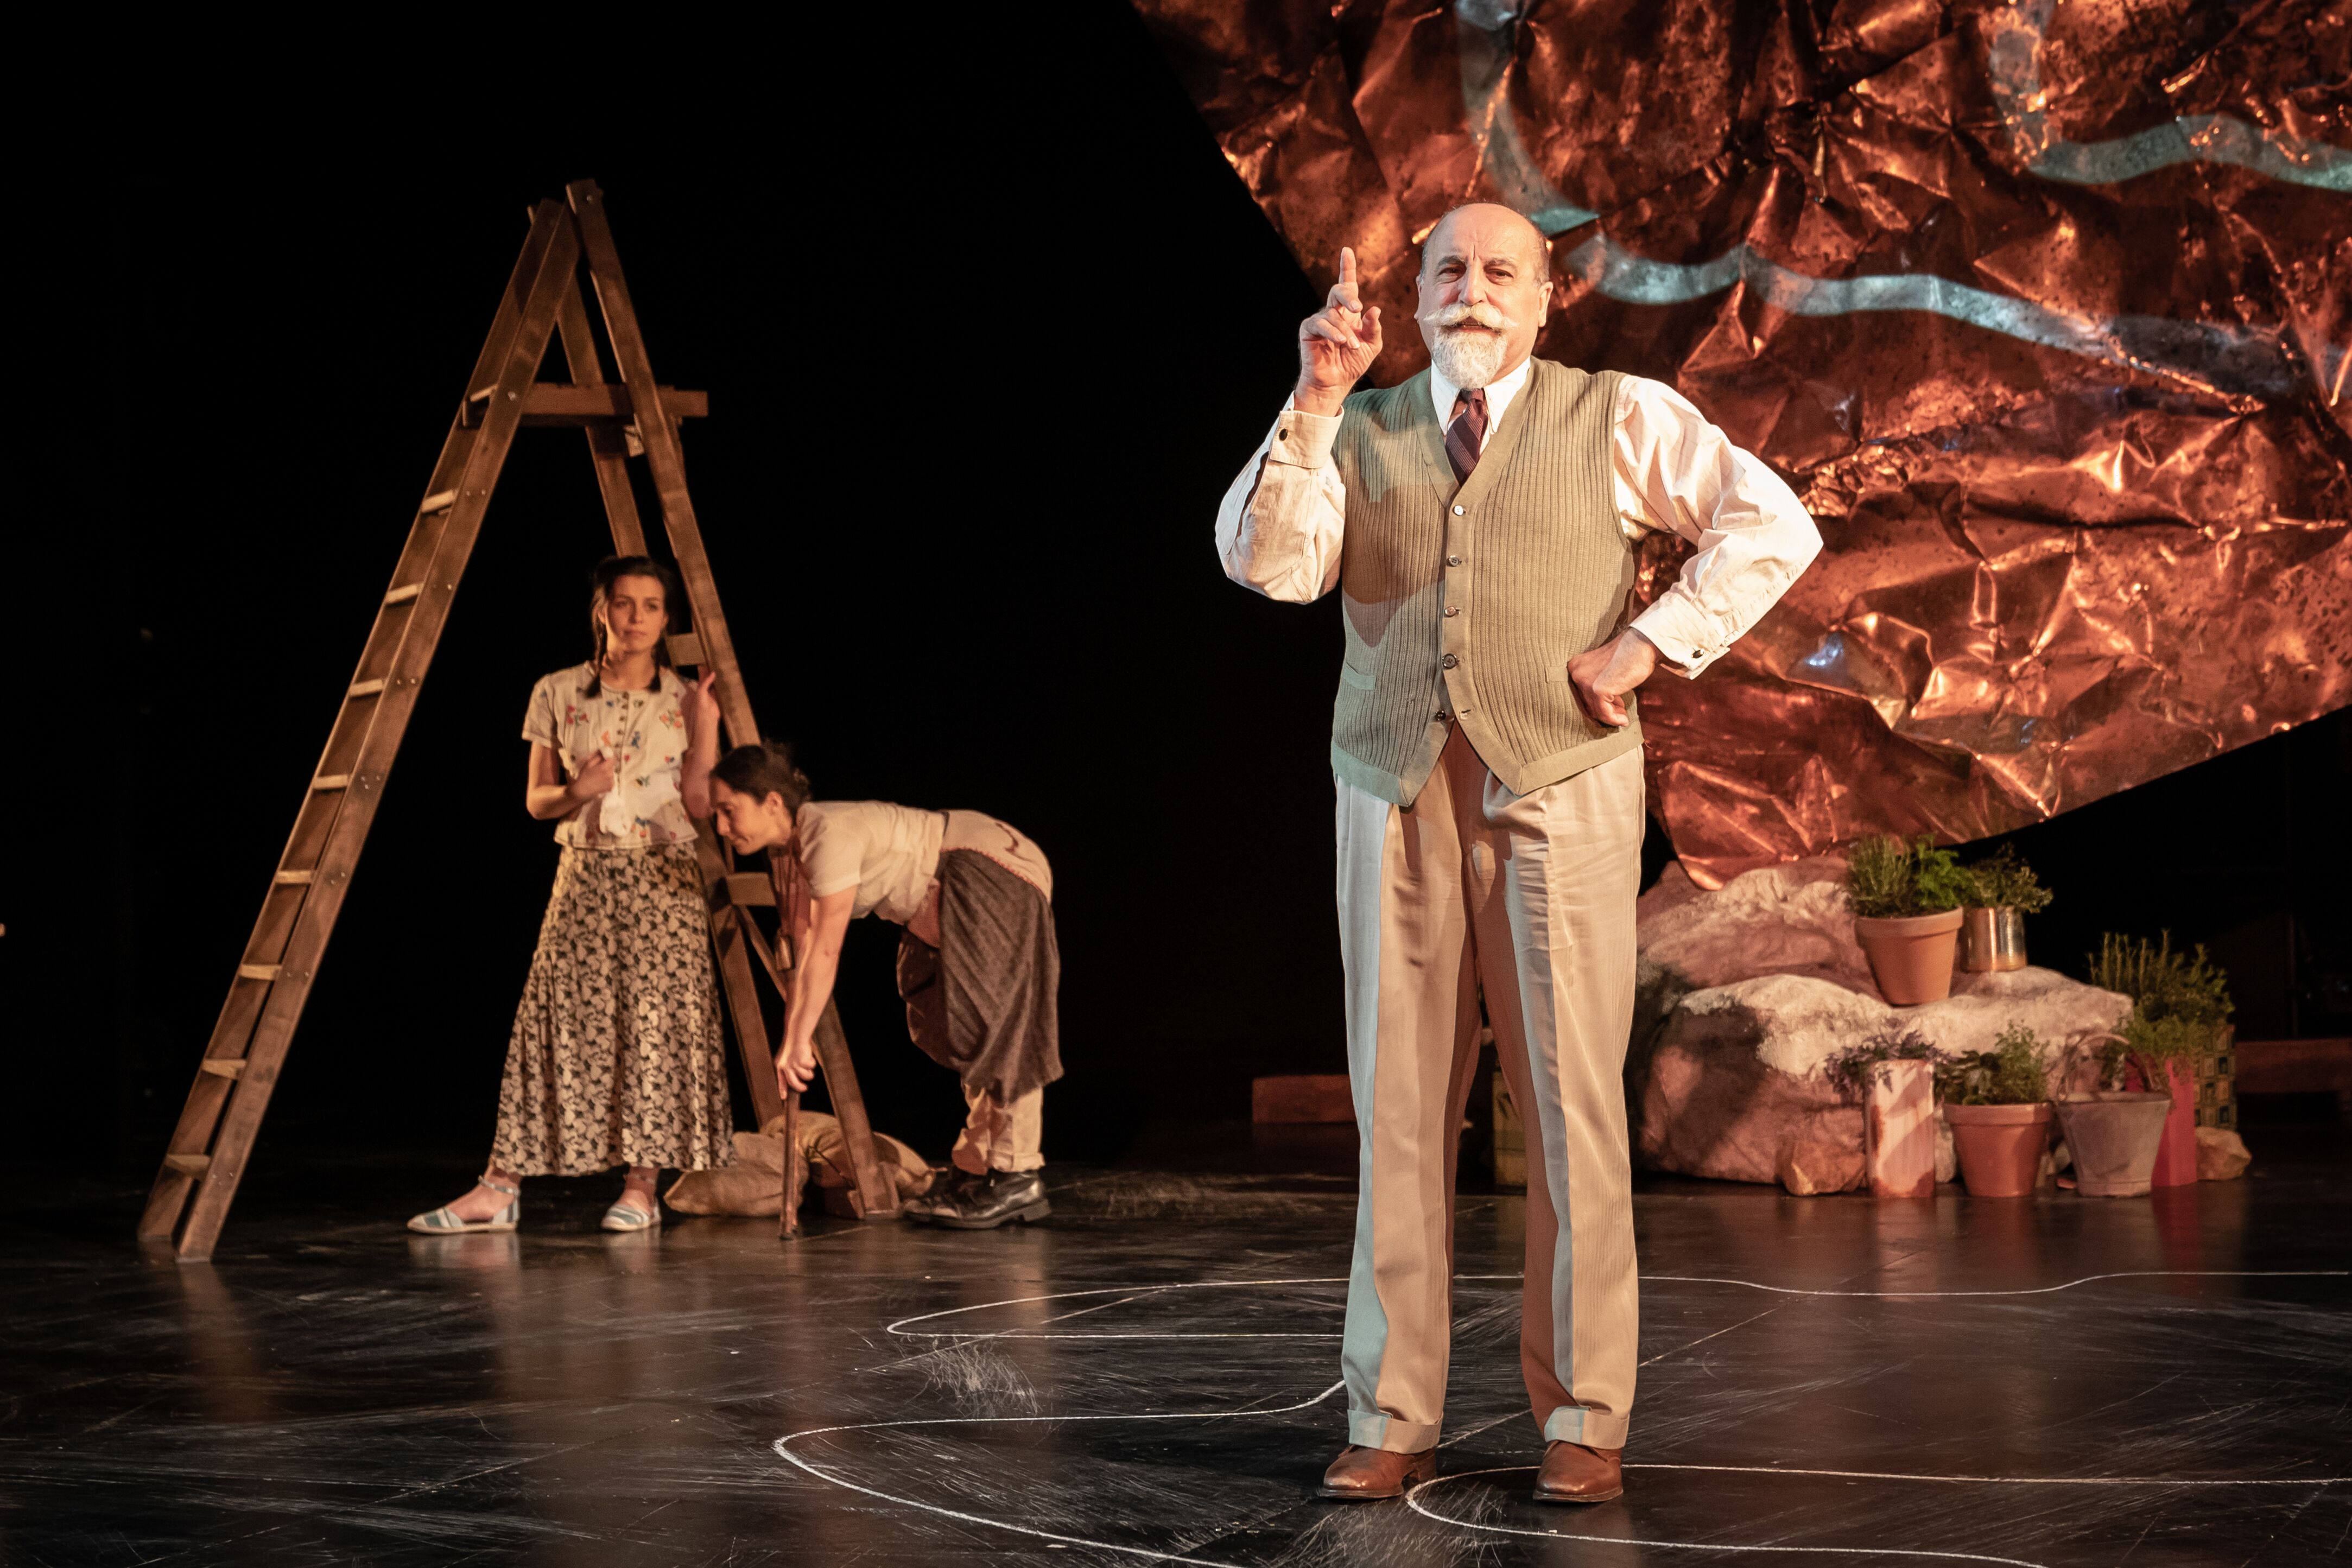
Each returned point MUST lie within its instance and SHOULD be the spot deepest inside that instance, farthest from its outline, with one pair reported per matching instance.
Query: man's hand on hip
(1335, 345)
(1604, 675)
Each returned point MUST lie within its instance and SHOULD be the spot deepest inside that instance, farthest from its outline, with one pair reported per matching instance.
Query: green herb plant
(1849, 1070)
(2180, 1003)
(2011, 1074)
(1887, 879)
(2001, 879)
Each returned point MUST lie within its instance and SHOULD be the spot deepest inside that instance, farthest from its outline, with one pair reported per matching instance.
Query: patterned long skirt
(616, 1056)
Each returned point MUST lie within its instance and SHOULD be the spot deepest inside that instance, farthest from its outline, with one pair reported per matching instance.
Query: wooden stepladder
(209, 1147)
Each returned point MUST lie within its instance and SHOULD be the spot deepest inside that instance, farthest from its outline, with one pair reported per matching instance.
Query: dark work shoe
(970, 1202)
(953, 1185)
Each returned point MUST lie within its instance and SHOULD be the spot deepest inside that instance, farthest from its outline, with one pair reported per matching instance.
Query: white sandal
(629, 1217)
(441, 1222)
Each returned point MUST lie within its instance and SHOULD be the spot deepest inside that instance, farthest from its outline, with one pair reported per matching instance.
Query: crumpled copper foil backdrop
(2043, 308)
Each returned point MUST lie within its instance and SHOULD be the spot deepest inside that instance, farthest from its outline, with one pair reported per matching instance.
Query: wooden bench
(2297, 1067)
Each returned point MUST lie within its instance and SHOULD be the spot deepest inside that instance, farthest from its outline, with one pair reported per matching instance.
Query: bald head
(1485, 284)
(1489, 227)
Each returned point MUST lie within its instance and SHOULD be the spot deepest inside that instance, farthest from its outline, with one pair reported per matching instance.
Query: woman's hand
(698, 705)
(594, 778)
(795, 1066)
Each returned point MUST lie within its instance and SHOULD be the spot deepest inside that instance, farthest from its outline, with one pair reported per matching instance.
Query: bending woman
(977, 964)
(616, 1056)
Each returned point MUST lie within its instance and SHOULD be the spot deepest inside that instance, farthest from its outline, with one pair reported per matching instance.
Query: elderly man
(1480, 521)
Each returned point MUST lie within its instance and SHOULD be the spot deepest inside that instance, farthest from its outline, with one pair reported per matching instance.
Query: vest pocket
(1350, 675)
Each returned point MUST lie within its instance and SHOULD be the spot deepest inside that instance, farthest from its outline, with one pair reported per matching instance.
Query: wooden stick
(788, 1223)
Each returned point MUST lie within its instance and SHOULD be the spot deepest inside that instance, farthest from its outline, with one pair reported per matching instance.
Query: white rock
(1747, 990)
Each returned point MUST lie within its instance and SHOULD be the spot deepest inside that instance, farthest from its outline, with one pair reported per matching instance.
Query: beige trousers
(1001, 1138)
(1529, 897)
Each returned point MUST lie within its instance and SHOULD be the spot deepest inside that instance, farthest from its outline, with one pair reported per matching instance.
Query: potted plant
(2003, 891)
(1893, 1075)
(1906, 915)
(2180, 1010)
(1998, 1104)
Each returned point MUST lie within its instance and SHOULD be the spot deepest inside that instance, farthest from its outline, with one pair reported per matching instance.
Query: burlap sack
(754, 1184)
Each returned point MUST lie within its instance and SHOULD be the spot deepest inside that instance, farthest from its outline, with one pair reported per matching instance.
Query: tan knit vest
(1469, 601)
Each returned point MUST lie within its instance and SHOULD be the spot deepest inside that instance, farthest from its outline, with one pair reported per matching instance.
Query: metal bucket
(1991, 939)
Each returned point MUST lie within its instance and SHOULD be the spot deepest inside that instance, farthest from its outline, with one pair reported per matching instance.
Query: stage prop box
(2043, 308)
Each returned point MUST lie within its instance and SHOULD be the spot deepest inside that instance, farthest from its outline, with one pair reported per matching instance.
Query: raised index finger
(1346, 266)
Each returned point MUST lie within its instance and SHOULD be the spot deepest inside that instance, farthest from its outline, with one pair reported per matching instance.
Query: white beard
(1468, 360)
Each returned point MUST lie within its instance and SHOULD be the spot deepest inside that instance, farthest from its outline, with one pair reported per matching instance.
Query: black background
(987, 324)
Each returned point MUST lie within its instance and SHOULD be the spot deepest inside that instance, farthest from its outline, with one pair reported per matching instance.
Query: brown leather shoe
(1574, 1473)
(1365, 1474)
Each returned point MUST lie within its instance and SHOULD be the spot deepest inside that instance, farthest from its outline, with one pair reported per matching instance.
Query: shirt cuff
(1680, 632)
(1304, 439)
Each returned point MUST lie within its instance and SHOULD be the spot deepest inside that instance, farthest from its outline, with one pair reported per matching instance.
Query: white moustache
(1481, 314)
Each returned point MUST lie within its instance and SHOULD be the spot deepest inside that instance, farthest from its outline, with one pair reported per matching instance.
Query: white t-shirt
(888, 853)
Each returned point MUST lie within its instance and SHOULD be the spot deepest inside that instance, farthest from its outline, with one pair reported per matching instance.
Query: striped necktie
(1468, 433)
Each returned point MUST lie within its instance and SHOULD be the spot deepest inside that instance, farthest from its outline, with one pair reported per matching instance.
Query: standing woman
(615, 1058)
(978, 966)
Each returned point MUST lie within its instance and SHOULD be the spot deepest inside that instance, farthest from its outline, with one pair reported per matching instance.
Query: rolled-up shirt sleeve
(1280, 525)
(1677, 473)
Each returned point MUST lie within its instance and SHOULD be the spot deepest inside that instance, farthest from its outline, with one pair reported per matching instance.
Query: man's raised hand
(1337, 344)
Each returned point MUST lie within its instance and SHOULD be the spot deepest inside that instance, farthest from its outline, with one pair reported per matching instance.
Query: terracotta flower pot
(2176, 1152)
(1911, 956)
(2000, 1146)
(2112, 1138)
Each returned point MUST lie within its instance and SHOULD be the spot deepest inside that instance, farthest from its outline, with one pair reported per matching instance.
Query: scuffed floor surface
(1148, 1377)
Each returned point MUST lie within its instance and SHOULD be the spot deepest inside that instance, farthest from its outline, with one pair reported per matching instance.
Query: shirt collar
(1499, 394)
(593, 683)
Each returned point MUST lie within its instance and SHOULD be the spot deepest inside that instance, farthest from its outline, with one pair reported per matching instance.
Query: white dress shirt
(1280, 528)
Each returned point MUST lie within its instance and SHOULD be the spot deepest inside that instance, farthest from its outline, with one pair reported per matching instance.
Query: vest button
(1443, 718)
(1454, 560)
(1457, 511)
(1449, 660)
(1453, 610)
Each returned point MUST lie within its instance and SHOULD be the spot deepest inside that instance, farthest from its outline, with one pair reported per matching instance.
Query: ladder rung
(258, 971)
(365, 688)
(224, 1066)
(750, 887)
(402, 595)
(684, 648)
(188, 1165)
(440, 500)
(293, 878)
(332, 781)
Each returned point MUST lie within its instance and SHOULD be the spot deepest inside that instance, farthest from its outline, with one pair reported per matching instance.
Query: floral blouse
(644, 733)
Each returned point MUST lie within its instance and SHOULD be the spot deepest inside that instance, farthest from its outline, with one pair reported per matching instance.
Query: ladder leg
(877, 1195)
(609, 453)
(329, 839)
(728, 944)
(607, 448)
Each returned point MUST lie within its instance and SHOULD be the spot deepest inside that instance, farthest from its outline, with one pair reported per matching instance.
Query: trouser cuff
(1370, 1430)
(1593, 1428)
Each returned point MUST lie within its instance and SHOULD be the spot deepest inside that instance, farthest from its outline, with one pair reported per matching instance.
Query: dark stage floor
(1148, 1377)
